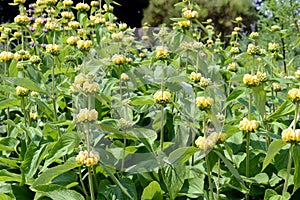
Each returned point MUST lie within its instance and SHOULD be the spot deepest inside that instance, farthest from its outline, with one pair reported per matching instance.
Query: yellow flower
(72, 40)
(294, 95)
(185, 24)
(118, 59)
(88, 158)
(95, 3)
(35, 59)
(81, 157)
(117, 36)
(67, 15)
(262, 76)
(22, 20)
(204, 103)
(276, 87)
(33, 116)
(108, 8)
(84, 45)
(234, 50)
(67, 2)
(162, 97)
(275, 28)
(19, 1)
(248, 125)
(92, 115)
(83, 115)
(53, 49)
(250, 80)
(239, 19)
(195, 77)
(162, 52)
(189, 14)
(124, 124)
(21, 91)
(253, 50)
(237, 29)
(74, 24)
(232, 67)
(124, 77)
(273, 47)
(90, 87)
(204, 82)
(82, 7)
(254, 35)
(289, 135)
(6, 56)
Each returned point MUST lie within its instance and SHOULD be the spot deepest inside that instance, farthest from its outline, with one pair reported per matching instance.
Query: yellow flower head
(95, 3)
(204, 103)
(124, 77)
(248, 125)
(86, 115)
(276, 87)
(162, 52)
(21, 91)
(74, 24)
(204, 82)
(84, 45)
(253, 50)
(273, 47)
(53, 49)
(67, 2)
(233, 67)
(88, 158)
(22, 20)
(254, 35)
(185, 24)
(275, 28)
(6, 56)
(195, 77)
(250, 80)
(33, 115)
(162, 97)
(294, 95)
(82, 7)
(289, 135)
(262, 76)
(297, 74)
(239, 19)
(118, 59)
(190, 14)
(19, 1)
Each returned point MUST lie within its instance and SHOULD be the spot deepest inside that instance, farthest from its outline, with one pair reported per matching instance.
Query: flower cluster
(84, 45)
(162, 52)
(84, 83)
(184, 23)
(88, 158)
(248, 125)
(250, 80)
(124, 124)
(253, 49)
(72, 40)
(6, 56)
(119, 59)
(195, 77)
(21, 91)
(82, 7)
(294, 95)
(273, 47)
(53, 49)
(86, 115)
(290, 135)
(204, 82)
(204, 103)
(254, 35)
(33, 116)
(233, 67)
(262, 76)
(124, 77)
(276, 87)
(208, 143)
(190, 14)
(22, 54)
(162, 97)
(22, 20)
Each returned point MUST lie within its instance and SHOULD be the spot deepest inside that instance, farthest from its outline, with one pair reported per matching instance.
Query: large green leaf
(296, 157)
(274, 149)
(26, 83)
(174, 179)
(8, 144)
(53, 172)
(57, 192)
(9, 103)
(6, 176)
(285, 108)
(260, 99)
(33, 157)
(152, 191)
(142, 100)
(236, 93)
(4, 196)
(62, 147)
(181, 155)
(146, 136)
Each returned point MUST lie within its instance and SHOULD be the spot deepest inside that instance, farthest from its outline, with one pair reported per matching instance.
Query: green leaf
(4, 197)
(261, 178)
(8, 144)
(274, 149)
(9, 103)
(6, 176)
(181, 155)
(65, 145)
(260, 99)
(53, 172)
(142, 100)
(146, 136)
(58, 192)
(296, 156)
(26, 83)
(231, 168)
(32, 160)
(10, 162)
(237, 93)
(285, 108)
(174, 178)
(152, 191)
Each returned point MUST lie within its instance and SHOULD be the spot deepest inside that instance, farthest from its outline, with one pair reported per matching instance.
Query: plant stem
(250, 105)
(247, 153)
(123, 153)
(209, 177)
(296, 116)
(286, 182)
(81, 182)
(218, 180)
(91, 183)
(162, 128)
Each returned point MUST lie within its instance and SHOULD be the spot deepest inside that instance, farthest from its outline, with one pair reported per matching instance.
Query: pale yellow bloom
(162, 97)
(21, 91)
(6, 56)
(204, 103)
(82, 7)
(250, 80)
(294, 95)
(195, 77)
(124, 77)
(248, 125)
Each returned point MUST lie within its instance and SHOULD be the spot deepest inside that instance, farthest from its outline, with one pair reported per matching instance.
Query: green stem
(81, 182)
(91, 183)
(288, 170)
(162, 128)
(218, 180)
(123, 153)
(186, 62)
(250, 105)
(209, 177)
(247, 153)
(296, 116)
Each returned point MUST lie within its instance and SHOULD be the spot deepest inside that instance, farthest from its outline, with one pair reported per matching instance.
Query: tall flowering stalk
(84, 86)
